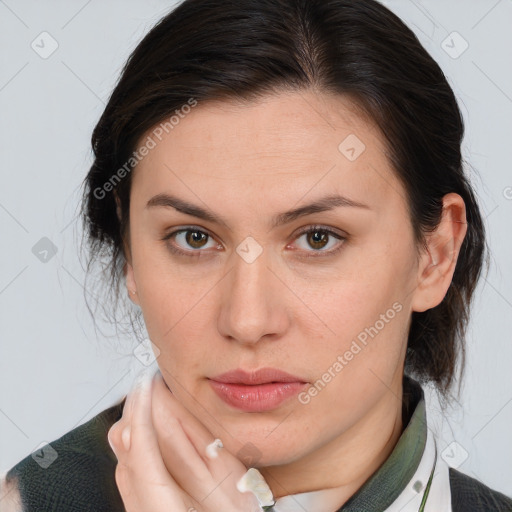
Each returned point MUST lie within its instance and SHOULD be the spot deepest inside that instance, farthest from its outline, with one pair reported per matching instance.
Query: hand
(185, 479)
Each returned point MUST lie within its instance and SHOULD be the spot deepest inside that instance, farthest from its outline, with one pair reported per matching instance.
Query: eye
(319, 237)
(188, 240)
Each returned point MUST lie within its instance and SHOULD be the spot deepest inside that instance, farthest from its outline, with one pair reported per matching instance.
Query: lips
(262, 376)
(258, 391)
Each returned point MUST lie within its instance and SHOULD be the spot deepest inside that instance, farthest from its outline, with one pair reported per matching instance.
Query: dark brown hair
(219, 50)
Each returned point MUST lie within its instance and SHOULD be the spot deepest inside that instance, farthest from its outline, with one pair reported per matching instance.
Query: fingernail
(126, 437)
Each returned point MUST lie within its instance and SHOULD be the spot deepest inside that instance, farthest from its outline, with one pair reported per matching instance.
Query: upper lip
(261, 376)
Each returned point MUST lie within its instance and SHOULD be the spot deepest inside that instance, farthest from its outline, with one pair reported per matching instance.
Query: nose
(253, 304)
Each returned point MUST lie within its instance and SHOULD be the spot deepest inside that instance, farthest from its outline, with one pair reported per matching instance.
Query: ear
(128, 269)
(438, 260)
(131, 285)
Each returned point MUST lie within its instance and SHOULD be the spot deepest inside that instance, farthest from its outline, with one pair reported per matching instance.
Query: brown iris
(196, 237)
(314, 239)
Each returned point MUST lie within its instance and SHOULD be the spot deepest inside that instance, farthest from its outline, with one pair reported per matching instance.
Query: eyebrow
(320, 205)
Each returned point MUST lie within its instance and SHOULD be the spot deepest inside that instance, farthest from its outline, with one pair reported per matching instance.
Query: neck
(346, 462)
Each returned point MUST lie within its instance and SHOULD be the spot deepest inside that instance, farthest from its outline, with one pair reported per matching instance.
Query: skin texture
(216, 312)
(188, 480)
(10, 499)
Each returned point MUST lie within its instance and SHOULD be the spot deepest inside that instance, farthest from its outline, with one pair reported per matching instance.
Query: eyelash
(316, 254)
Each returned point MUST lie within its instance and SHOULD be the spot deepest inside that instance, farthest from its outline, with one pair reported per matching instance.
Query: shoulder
(469, 494)
(76, 472)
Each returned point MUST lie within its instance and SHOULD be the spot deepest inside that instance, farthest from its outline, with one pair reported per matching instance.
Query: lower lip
(259, 398)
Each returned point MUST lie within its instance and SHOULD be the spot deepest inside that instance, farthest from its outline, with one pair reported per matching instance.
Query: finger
(183, 451)
(167, 408)
(184, 441)
(144, 444)
(133, 436)
(199, 435)
(184, 463)
(143, 480)
(119, 432)
(171, 407)
(115, 435)
(144, 476)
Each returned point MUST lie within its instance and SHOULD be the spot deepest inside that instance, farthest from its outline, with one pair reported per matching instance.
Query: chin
(258, 449)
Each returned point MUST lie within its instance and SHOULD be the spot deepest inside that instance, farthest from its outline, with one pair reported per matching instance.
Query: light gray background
(54, 373)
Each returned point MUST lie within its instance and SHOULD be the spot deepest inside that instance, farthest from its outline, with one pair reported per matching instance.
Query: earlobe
(131, 286)
(128, 269)
(439, 259)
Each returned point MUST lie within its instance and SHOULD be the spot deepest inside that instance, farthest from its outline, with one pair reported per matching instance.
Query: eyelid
(332, 232)
(340, 235)
(320, 227)
(176, 249)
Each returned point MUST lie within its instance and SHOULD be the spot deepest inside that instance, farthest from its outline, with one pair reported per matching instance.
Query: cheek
(367, 319)
(356, 305)
(168, 295)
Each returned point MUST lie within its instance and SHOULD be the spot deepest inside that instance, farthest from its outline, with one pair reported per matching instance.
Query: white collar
(438, 498)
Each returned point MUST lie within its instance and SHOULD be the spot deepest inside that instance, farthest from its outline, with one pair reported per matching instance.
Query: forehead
(294, 122)
(293, 143)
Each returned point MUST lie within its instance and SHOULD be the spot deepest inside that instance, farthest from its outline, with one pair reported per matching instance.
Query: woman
(278, 184)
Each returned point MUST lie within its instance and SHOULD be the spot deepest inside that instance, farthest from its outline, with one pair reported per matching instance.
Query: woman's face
(330, 307)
